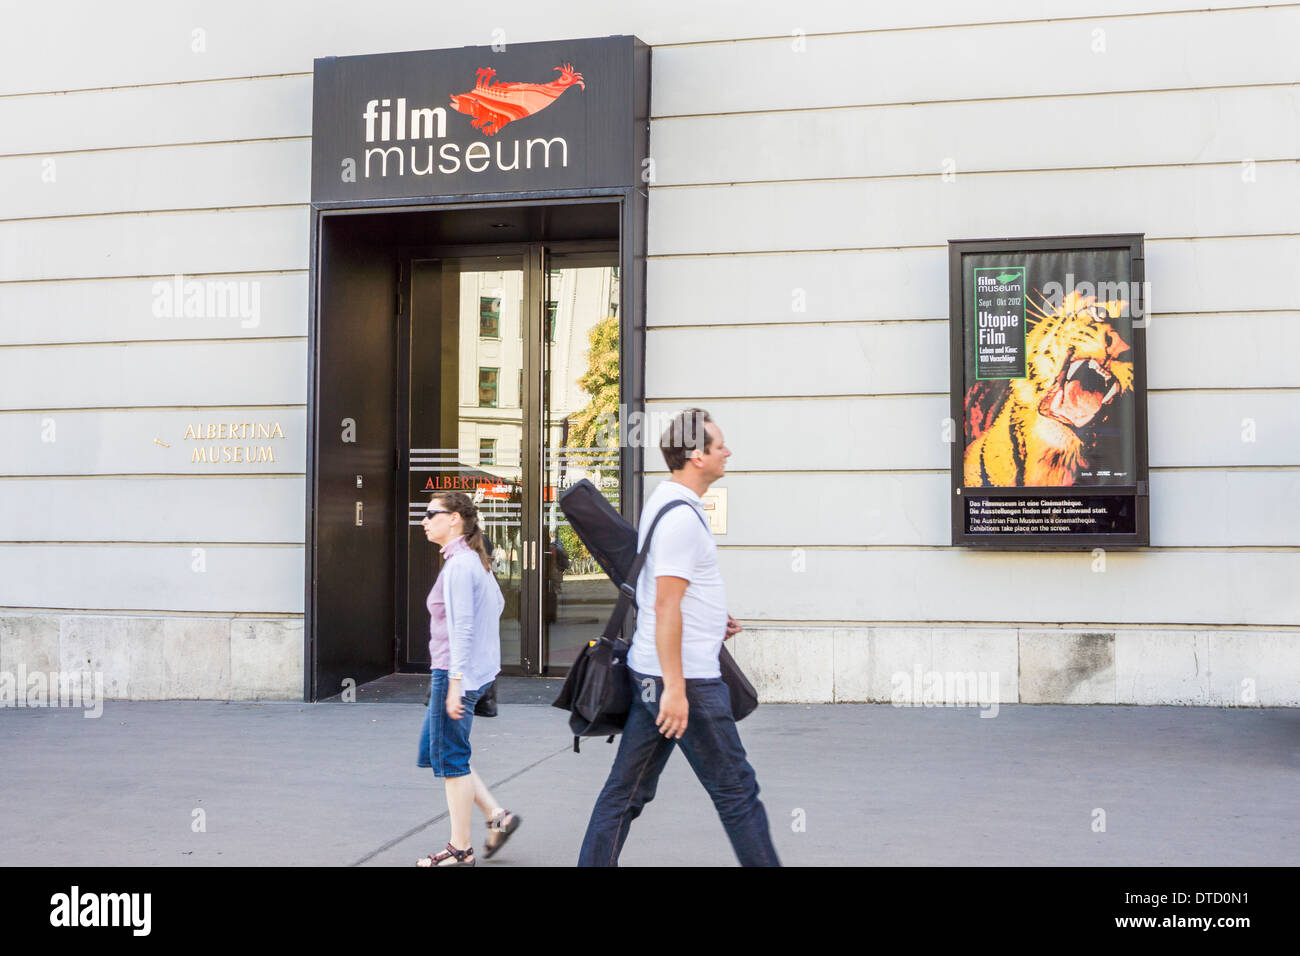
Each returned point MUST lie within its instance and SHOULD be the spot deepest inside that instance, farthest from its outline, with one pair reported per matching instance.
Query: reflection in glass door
(466, 415)
(579, 433)
(514, 390)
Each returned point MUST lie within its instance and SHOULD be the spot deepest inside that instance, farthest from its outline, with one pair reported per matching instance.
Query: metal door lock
(359, 514)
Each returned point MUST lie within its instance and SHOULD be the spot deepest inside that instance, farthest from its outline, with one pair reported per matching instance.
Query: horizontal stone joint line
(161, 276)
(687, 399)
(118, 149)
(138, 543)
(906, 247)
(218, 340)
(169, 475)
(930, 174)
(287, 406)
(10, 610)
(762, 624)
(157, 212)
(713, 42)
(895, 104)
(143, 86)
(801, 472)
(1132, 15)
(1010, 547)
(913, 320)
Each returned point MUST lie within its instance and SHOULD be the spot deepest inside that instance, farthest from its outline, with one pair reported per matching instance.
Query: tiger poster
(1049, 369)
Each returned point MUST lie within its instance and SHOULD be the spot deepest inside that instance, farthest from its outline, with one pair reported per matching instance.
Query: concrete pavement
(336, 784)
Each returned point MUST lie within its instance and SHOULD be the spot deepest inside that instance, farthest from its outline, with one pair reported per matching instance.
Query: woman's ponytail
(474, 538)
(463, 506)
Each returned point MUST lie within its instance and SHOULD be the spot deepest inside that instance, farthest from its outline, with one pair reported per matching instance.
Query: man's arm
(673, 708)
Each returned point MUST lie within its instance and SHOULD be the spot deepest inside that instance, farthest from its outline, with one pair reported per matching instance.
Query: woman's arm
(459, 598)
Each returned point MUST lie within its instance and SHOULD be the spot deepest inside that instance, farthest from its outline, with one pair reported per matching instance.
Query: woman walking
(465, 650)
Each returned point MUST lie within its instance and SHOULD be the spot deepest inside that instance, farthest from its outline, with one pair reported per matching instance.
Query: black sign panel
(1101, 514)
(1049, 387)
(522, 117)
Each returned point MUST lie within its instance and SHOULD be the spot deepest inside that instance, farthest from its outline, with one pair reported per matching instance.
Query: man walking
(679, 697)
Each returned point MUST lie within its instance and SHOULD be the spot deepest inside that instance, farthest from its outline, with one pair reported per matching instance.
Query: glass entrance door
(581, 369)
(466, 427)
(513, 395)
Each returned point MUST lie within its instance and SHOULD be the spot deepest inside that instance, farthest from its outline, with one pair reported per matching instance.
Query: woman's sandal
(500, 826)
(461, 857)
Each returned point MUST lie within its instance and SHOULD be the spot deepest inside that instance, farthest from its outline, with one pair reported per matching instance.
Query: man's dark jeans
(712, 746)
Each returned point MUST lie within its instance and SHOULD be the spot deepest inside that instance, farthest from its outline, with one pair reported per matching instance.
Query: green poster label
(999, 332)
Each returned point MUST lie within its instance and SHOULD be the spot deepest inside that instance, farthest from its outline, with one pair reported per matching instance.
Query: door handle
(534, 550)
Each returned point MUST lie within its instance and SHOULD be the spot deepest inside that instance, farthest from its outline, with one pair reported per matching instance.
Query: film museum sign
(475, 120)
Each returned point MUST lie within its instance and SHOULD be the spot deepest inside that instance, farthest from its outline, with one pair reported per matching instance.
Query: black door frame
(632, 203)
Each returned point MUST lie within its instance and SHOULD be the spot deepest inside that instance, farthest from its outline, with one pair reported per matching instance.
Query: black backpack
(596, 692)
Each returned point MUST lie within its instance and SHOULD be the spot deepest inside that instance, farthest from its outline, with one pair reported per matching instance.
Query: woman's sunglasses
(431, 512)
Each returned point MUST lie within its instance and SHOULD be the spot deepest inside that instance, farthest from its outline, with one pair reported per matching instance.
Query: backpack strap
(627, 591)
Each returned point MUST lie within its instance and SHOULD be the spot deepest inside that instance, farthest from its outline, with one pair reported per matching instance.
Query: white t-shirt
(683, 547)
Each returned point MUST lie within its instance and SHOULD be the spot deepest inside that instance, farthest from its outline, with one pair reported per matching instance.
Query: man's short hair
(684, 434)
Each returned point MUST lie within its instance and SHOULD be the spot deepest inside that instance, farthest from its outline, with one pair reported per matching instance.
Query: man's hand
(455, 709)
(673, 710)
(734, 627)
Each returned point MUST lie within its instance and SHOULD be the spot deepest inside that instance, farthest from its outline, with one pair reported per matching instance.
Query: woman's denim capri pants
(444, 743)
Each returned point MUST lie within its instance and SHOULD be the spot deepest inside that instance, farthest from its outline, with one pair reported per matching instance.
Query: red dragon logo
(493, 105)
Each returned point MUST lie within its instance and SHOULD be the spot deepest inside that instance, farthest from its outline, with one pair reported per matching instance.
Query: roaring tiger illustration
(1040, 432)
